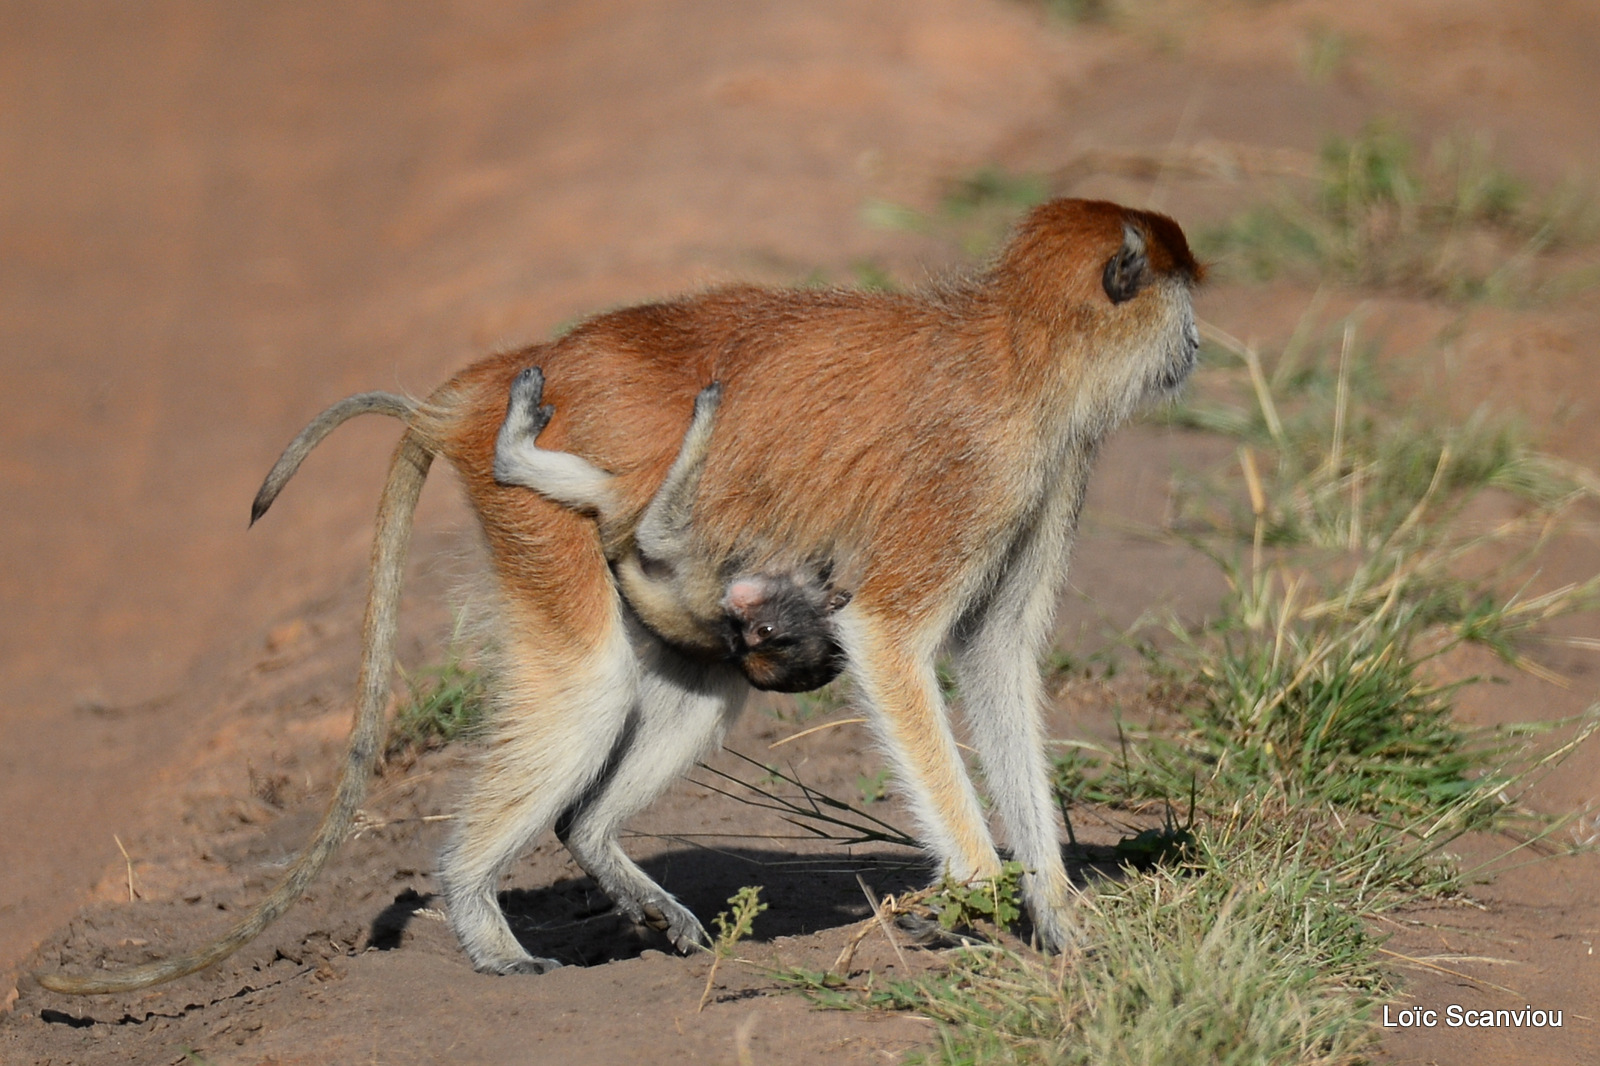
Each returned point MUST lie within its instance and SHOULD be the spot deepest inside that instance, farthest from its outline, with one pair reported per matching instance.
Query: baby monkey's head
(780, 629)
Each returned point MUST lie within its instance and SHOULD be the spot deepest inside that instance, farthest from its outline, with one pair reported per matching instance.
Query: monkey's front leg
(893, 670)
(1002, 697)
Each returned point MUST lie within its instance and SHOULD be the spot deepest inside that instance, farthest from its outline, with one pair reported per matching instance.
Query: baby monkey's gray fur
(774, 623)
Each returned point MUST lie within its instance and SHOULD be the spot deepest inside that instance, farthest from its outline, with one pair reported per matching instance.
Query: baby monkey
(775, 624)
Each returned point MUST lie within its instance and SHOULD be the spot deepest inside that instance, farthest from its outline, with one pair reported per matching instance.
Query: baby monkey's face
(780, 630)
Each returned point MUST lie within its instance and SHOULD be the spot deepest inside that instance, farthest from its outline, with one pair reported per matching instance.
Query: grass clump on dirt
(1332, 459)
(1451, 224)
(446, 702)
(1252, 950)
(1318, 679)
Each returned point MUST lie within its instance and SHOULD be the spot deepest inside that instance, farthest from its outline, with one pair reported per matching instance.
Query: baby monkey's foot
(525, 420)
(525, 416)
(707, 399)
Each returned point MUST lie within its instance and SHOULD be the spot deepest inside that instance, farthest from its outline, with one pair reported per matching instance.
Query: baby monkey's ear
(1129, 270)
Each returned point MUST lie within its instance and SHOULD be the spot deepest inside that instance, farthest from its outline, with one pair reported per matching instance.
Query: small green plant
(447, 702)
(874, 787)
(996, 900)
(738, 921)
(1453, 225)
(733, 925)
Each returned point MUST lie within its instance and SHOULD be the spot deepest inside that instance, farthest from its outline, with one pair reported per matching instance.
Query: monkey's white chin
(1169, 380)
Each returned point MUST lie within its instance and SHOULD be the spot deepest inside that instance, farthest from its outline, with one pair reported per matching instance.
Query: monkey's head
(1105, 291)
(780, 630)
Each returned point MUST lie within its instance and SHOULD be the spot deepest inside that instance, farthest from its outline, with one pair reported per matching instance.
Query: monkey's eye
(763, 631)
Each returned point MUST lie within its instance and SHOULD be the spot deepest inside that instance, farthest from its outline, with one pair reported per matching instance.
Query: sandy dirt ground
(216, 219)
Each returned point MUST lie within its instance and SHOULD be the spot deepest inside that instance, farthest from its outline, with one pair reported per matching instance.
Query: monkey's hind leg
(568, 479)
(556, 723)
(684, 710)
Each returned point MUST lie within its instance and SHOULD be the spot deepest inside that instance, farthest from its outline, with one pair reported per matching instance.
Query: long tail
(407, 471)
(377, 403)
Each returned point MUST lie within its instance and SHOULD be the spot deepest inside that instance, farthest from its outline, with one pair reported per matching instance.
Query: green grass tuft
(447, 702)
(1452, 225)
(1323, 708)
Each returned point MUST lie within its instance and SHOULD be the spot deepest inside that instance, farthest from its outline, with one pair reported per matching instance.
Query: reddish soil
(217, 219)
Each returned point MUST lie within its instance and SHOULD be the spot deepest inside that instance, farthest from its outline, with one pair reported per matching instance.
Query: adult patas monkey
(938, 442)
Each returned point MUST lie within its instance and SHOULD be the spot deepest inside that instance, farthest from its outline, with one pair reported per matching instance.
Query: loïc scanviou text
(1456, 1016)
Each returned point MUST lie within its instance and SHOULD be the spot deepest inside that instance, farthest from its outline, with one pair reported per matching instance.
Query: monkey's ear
(1129, 270)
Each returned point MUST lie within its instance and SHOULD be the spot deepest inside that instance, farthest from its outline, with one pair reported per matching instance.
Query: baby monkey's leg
(565, 478)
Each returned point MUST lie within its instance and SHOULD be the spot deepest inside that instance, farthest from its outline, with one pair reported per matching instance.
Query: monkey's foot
(1057, 931)
(529, 965)
(670, 917)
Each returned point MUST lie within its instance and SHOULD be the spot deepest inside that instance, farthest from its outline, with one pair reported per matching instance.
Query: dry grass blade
(812, 814)
(814, 729)
(132, 895)
(1424, 964)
